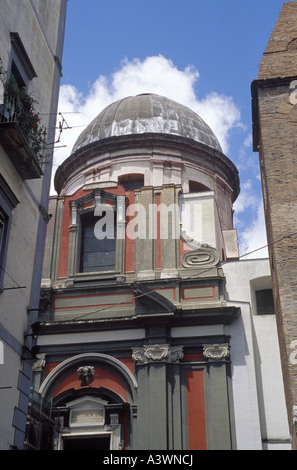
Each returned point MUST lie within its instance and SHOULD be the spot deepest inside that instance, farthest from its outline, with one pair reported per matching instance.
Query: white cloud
(221, 114)
(249, 220)
(159, 75)
(249, 140)
(246, 199)
(155, 74)
(254, 237)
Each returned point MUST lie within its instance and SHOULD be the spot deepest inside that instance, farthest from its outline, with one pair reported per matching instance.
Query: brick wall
(275, 137)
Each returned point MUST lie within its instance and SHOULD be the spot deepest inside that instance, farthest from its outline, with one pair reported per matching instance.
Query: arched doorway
(91, 397)
(90, 419)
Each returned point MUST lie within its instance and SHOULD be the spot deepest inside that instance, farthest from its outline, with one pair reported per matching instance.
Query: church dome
(132, 134)
(147, 113)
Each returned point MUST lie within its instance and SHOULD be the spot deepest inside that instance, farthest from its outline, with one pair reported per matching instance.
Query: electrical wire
(17, 286)
(177, 281)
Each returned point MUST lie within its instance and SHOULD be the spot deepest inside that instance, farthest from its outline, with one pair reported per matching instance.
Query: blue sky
(201, 54)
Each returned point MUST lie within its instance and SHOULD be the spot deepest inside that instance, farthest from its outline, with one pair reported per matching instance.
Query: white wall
(260, 410)
(37, 23)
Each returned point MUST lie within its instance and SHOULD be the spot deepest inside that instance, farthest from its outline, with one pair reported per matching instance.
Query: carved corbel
(216, 352)
(39, 365)
(158, 353)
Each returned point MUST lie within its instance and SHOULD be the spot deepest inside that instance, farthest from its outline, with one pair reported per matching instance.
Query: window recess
(90, 255)
(264, 301)
(8, 202)
(96, 254)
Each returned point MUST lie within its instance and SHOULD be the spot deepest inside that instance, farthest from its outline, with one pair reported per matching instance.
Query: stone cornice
(112, 148)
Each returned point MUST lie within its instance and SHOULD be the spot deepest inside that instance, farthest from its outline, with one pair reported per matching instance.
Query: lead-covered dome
(147, 113)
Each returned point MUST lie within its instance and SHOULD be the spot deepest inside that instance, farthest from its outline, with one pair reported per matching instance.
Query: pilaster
(218, 410)
(152, 363)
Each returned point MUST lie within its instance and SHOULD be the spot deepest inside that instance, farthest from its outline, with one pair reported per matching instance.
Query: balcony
(21, 136)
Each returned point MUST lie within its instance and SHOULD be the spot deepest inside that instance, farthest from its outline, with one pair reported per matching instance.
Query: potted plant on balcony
(29, 122)
(18, 106)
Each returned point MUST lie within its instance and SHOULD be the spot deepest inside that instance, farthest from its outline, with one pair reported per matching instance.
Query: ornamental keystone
(86, 375)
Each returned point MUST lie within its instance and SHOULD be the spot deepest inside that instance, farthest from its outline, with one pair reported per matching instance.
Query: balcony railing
(21, 134)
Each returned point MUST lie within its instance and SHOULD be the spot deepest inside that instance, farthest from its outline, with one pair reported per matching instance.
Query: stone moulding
(158, 353)
(62, 369)
(216, 352)
(108, 148)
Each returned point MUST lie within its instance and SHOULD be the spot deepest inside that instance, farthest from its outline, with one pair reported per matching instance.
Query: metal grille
(264, 299)
(96, 255)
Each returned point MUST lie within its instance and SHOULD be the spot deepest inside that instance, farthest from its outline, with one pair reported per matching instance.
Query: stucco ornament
(157, 353)
(216, 352)
(40, 363)
(204, 256)
(86, 375)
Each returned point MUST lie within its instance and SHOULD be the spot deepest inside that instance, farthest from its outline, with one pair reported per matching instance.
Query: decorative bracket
(216, 352)
(39, 365)
(158, 353)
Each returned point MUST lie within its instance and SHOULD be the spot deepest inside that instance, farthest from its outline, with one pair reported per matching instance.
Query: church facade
(152, 333)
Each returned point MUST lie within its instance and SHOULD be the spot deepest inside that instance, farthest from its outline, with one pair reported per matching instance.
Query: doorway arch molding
(96, 357)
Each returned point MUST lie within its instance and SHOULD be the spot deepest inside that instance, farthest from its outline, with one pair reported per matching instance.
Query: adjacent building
(31, 43)
(152, 333)
(274, 126)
